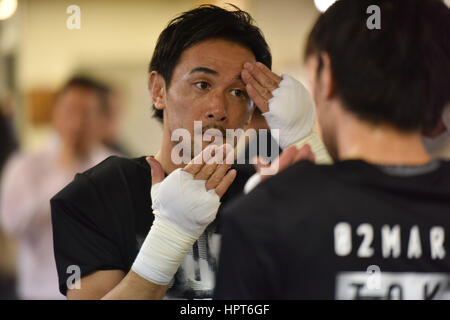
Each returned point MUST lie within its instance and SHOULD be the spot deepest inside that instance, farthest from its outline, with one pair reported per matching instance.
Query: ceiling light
(7, 8)
(323, 5)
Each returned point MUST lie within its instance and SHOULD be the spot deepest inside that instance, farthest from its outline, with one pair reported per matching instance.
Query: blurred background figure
(31, 179)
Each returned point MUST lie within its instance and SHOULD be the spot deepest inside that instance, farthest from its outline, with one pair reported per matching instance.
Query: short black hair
(399, 74)
(88, 83)
(203, 23)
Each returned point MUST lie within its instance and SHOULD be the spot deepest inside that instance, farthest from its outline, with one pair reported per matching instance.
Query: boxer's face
(206, 86)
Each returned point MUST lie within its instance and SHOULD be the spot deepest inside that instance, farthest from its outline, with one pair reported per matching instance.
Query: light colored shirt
(28, 183)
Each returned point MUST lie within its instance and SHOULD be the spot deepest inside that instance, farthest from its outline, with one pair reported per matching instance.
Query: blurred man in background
(30, 180)
(375, 224)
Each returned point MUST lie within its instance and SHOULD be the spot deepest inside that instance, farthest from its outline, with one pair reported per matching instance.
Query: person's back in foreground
(375, 224)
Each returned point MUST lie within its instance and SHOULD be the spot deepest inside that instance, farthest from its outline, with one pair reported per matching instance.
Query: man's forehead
(222, 56)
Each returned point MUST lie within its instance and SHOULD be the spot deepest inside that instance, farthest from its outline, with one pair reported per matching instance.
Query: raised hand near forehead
(260, 81)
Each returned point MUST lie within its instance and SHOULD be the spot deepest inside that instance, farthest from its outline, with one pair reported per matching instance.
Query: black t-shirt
(350, 230)
(102, 217)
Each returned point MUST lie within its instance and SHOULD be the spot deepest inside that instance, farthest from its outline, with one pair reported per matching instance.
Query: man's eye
(202, 85)
(237, 93)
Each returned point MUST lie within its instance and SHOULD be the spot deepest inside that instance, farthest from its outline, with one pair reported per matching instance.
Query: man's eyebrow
(204, 70)
(211, 71)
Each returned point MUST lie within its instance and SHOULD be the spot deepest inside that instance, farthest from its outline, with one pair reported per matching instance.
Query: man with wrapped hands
(103, 221)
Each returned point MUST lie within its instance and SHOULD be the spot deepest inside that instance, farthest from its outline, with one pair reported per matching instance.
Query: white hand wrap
(291, 110)
(183, 208)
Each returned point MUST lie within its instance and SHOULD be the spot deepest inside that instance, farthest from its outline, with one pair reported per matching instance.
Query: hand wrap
(291, 110)
(183, 208)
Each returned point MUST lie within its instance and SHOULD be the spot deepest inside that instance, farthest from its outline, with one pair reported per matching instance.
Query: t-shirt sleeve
(82, 232)
(247, 268)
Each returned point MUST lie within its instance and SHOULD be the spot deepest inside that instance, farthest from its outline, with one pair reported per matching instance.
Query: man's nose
(216, 110)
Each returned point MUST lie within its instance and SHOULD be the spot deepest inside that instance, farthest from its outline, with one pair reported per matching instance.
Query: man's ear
(328, 86)
(157, 86)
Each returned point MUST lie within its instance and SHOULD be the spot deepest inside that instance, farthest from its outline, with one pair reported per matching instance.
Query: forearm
(134, 287)
(115, 285)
